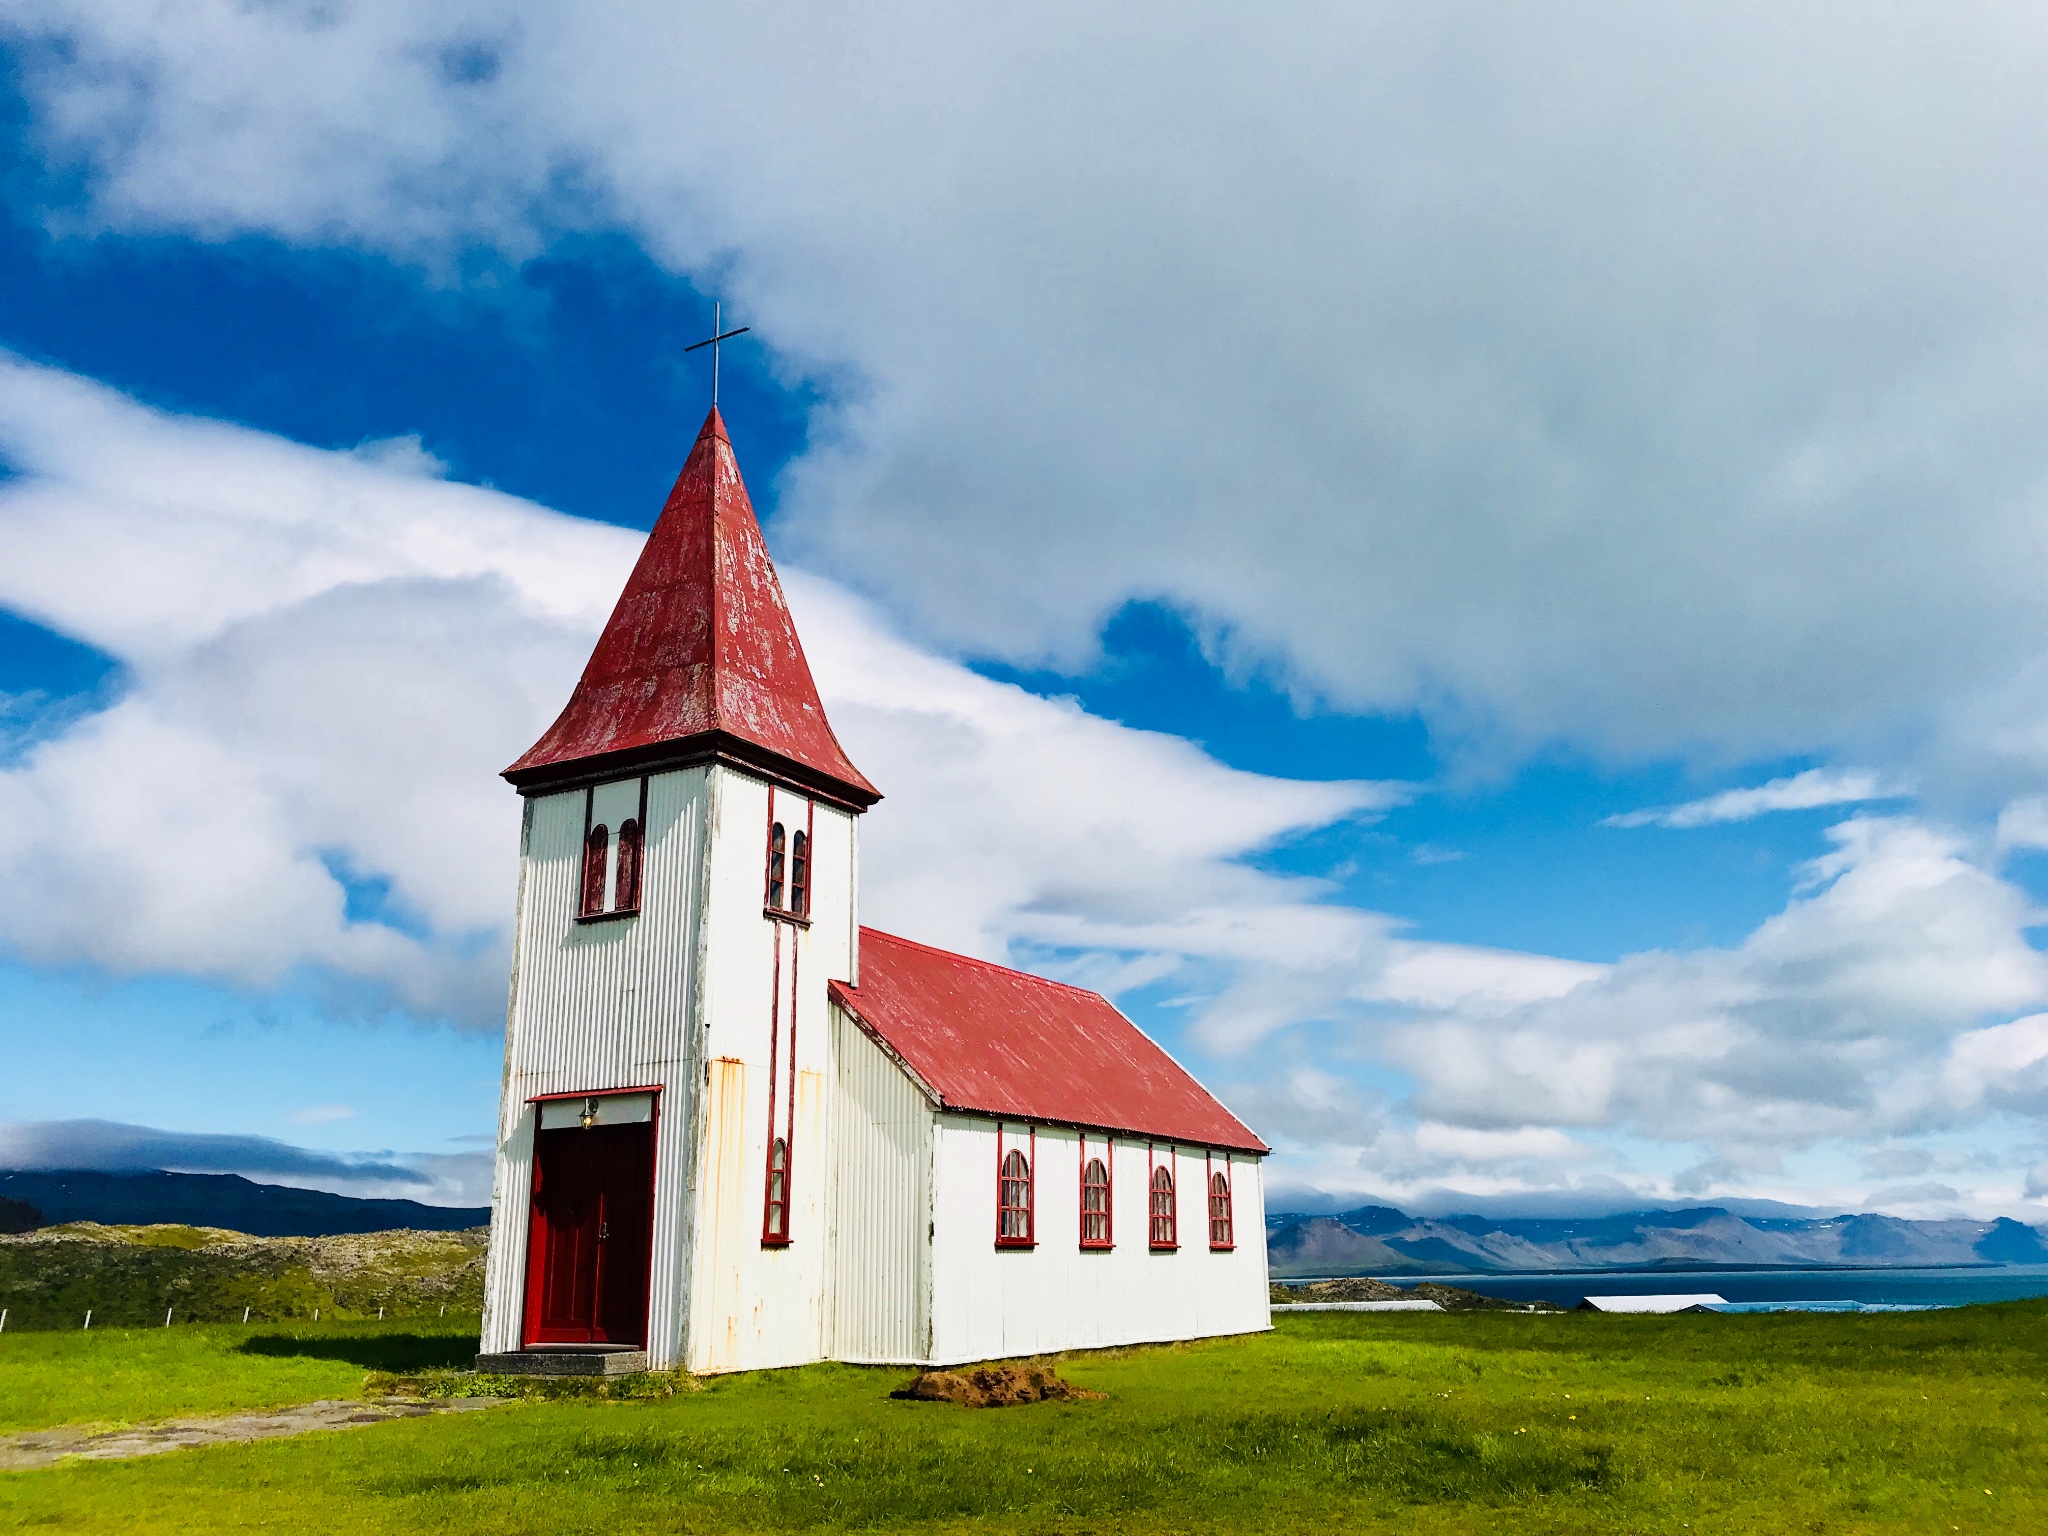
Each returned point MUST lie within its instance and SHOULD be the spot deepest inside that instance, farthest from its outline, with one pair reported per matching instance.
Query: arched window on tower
(775, 1217)
(800, 875)
(1165, 1223)
(777, 841)
(1095, 1204)
(596, 847)
(1013, 1201)
(1222, 1233)
(626, 892)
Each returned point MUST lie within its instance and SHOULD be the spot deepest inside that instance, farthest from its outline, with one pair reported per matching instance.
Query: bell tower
(687, 888)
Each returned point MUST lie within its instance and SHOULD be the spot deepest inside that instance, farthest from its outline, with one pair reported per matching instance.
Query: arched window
(776, 841)
(626, 892)
(1013, 1201)
(1095, 1204)
(775, 1218)
(1221, 1234)
(596, 844)
(800, 875)
(1165, 1226)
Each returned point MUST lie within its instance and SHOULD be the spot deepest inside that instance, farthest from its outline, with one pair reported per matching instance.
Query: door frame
(529, 1321)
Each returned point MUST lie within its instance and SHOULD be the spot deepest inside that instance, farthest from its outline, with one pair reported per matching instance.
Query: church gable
(985, 1039)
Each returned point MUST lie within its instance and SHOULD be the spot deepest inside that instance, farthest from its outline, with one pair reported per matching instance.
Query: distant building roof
(988, 1040)
(1698, 1303)
(700, 658)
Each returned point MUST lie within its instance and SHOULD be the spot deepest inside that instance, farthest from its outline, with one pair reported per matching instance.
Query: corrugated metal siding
(597, 1006)
(881, 1279)
(990, 1303)
(762, 1306)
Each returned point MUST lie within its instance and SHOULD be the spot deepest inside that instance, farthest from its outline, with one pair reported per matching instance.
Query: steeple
(700, 659)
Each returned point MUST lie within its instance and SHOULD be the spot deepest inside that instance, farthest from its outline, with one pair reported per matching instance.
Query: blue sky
(1359, 504)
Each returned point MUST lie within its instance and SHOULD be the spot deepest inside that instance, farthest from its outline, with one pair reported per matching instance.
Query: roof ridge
(990, 965)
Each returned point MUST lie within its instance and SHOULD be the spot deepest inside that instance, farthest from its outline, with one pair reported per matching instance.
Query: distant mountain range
(222, 1200)
(1378, 1240)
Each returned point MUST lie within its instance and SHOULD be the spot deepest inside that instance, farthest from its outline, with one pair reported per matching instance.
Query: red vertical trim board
(536, 1235)
(789, 1120)
(653, 1180)
(1031, 1191)
(1081, 1186)
(771, 1239)
(768, 849)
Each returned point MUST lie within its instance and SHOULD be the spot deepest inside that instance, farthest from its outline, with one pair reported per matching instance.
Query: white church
(739, 1129)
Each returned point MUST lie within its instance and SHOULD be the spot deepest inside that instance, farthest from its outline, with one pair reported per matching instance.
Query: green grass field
(1927, 1422)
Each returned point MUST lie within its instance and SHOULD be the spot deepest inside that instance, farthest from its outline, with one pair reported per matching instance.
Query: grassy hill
(129, 1275)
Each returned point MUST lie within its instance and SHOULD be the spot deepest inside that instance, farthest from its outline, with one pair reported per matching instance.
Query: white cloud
(1653, 380)
(330, 655)
(1811, 790)
(327, 657)
(1832, 1020)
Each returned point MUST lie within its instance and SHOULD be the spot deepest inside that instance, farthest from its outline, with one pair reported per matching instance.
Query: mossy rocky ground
(129, 1276)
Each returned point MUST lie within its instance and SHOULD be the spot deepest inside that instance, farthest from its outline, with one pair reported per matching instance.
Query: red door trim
(536, 1249)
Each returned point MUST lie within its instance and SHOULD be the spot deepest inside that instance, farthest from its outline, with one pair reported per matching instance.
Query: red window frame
(1222, 1215)
(1016, 1196)
(596, 853)
(786, 877)
(626, 884)
(775, 1205)
(623, 875)
(1162, 1223)
(772, 1234)
(1104, 1239)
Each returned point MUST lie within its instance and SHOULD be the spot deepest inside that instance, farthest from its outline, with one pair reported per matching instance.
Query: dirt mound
(992, 1386)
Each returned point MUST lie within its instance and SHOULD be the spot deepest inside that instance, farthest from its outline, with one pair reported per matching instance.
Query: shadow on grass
(395, 1352)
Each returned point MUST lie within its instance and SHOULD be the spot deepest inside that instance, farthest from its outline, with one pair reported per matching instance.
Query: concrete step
(585, 1361)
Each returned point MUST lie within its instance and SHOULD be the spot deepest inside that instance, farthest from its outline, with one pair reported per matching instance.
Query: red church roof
(989, 1040)
(700, 658)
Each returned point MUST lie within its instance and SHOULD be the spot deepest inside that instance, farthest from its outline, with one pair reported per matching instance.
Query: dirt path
(46, 1447)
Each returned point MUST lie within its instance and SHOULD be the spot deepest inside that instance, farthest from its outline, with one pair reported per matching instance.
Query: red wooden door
(591, 1237)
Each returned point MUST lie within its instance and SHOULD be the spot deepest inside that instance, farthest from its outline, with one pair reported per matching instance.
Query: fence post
(3, 1319)
(245, 1314)
(88, 1319)
(167, 1317)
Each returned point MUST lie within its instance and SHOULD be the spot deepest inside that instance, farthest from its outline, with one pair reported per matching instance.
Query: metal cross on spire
(712, 342)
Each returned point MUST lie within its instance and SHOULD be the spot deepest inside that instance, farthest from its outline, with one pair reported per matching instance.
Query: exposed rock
(992, 1386)
(1365, 1288)
(131, 1275)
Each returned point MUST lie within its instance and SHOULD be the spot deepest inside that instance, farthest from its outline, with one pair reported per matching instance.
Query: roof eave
(689, 752)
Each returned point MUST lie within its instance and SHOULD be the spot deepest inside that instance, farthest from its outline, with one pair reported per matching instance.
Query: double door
(591, 1237)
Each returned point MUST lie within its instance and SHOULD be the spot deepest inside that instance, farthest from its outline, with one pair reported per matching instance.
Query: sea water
(1829, 1290)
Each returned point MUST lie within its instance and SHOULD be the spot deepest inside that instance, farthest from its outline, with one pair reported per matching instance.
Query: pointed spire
(700, 658)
